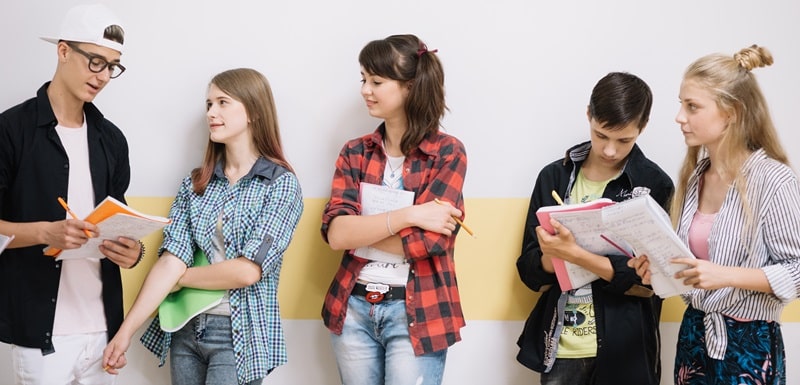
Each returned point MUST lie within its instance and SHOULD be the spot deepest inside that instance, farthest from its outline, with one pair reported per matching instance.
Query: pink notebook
(571, 276)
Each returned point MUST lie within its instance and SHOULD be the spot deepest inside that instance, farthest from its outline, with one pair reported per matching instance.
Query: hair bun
(753, 57)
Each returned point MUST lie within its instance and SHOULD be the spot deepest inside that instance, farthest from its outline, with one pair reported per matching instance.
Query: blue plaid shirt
(261, 212)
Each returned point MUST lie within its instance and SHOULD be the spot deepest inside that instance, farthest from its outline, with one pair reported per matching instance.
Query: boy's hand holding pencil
(63, 204)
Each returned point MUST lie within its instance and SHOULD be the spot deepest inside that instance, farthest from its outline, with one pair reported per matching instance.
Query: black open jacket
(628, 338)
(34, 172)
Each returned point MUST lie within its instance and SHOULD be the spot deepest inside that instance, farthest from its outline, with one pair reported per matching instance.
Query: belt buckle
(375, 292)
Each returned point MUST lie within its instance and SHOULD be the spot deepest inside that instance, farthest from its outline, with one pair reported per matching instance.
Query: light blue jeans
(202, 352)
(375, 348)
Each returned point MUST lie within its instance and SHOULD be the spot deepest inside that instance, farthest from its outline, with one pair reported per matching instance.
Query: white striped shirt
(773, 245)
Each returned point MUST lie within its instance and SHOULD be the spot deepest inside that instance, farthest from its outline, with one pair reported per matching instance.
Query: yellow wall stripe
(488, 282)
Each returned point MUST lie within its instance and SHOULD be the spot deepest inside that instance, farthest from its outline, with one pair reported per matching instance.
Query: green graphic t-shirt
(579, 336)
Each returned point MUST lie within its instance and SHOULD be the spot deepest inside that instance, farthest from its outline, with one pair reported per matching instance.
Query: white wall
(519, 74)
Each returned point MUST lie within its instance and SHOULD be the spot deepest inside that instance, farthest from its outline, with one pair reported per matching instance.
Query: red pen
(616, 246)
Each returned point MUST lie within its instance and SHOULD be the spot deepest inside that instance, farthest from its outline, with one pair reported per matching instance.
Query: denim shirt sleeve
(178, 234)
(274, 225)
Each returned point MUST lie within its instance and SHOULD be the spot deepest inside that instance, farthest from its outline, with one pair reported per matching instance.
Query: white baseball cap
(87, 23)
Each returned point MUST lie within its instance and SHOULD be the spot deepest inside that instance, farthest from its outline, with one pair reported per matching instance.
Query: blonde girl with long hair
(737, 207)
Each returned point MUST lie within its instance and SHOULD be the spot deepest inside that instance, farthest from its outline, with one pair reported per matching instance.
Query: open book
(180, 307)
(5, 240)
(377, 199)
(113, 219)
(636, 226)
(585, 222)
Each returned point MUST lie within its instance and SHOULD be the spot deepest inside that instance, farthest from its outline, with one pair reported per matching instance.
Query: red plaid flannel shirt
(435, 169)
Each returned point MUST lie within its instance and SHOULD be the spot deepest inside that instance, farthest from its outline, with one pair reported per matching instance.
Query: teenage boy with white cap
(59, 314)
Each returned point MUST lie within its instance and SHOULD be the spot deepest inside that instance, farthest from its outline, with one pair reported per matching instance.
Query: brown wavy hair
(252, 89)
(406, 58)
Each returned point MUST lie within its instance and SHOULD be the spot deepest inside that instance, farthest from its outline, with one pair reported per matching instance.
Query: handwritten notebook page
(114, 219)
(579, 219)
(588, 229)
(377, 199)
(118, 225)
(647, 228)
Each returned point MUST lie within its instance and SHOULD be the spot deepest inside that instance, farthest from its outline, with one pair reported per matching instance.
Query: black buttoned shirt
(34, 172)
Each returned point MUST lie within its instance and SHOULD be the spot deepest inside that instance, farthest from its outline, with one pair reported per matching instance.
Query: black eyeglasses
(98, 63)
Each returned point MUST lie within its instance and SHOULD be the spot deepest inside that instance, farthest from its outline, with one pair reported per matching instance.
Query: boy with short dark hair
(607, 331)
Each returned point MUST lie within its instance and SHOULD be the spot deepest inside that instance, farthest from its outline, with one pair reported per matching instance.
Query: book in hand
(638, 226)
(180, 307)
(646, 227)
(583, 220)
(5, 240)
(113, 219)
(377, 199)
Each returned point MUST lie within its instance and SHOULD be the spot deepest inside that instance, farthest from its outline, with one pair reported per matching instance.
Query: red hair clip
(424, 48)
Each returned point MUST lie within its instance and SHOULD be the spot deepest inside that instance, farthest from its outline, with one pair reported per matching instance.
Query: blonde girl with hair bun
(737, 206)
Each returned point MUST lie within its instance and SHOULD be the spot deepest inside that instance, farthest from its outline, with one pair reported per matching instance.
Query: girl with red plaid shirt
(393, 307)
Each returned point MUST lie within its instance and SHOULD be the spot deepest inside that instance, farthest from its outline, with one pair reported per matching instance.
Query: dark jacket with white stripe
(627, 313)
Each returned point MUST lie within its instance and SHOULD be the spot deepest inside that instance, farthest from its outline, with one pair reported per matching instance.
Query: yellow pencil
(64, 205)
(460, 223)
(556, 197)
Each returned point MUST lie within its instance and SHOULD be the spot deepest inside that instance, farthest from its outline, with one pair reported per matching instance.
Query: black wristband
(141, 255)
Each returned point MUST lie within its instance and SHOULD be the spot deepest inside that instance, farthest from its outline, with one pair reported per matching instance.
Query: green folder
(183, 305)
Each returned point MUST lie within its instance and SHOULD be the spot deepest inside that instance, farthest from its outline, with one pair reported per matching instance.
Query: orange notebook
(114, 219)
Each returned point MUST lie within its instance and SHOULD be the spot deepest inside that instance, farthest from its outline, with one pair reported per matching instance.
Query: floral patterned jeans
(755, 354)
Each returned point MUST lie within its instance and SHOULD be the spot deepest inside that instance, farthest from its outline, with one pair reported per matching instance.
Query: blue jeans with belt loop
(202, 352)
(375, 347)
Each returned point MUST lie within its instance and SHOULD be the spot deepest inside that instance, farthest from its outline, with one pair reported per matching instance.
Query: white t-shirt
(393, 274)
(79, 308)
